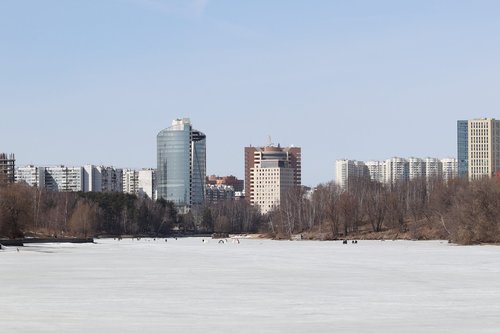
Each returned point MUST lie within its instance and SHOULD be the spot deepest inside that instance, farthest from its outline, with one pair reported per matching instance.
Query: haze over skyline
(93, 82)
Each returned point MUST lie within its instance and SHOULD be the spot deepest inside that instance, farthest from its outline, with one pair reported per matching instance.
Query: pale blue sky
(94, 81)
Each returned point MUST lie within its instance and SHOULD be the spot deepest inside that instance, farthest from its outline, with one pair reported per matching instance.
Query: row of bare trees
(27, 210)
(462, 211)
(30, 211)
(229, 216)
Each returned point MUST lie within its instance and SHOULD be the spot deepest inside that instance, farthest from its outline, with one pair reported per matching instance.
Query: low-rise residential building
(237, 184)
(218, 193)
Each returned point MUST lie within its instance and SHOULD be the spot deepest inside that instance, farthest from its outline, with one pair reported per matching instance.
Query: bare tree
(15, 209)
(82, 221)
(376, 206)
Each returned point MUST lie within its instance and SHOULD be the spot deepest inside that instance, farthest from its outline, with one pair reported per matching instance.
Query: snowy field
(187, 285)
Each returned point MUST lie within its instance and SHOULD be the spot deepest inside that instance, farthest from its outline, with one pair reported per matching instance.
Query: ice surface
(187, 285)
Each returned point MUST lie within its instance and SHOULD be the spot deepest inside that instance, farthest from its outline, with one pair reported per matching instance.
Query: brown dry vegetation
(461, 211)
(28, 211)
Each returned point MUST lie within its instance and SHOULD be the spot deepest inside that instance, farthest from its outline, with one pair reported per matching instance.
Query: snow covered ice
(187, 285)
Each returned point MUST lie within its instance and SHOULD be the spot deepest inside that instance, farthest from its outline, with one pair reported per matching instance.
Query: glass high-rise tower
(181, 158)
(462, 147)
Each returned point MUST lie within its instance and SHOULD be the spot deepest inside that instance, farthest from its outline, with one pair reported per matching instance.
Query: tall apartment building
(416, 168)
(449, 168)
(88, 178)
(345, 169)
(350, 169)
(31, 175)
(147, 183)
(181, 158)
(7, 168)
(396, 169)
(102, 179)
(269, 173)
(64, 179)
(140, 182)
(483, 147)
(433, 168)
(463, 147)
(130, 181)
(376, 170)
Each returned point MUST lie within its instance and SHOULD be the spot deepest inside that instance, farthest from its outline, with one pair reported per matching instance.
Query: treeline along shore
(462, 211)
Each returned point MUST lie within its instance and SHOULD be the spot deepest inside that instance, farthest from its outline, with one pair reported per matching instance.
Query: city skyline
(93, 82)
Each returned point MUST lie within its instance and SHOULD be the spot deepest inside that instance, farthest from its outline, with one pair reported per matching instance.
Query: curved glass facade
(181, 158)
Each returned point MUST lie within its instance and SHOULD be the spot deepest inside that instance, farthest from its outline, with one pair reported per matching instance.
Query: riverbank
(22, 241)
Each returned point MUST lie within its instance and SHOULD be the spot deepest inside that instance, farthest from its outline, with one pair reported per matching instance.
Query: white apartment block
(31, 175)
(147, 183)
(102, 179)
(449, 168)
(376, 169)
(64, 179)
(130, 181)
(433, 168)
(483, 147)
(140, 182)
(345, 169)
(89, 178)
(416, 168)
(396, 169)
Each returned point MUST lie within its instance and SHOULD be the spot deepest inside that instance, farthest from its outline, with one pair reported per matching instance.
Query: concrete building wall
(130, 181)
(449, 168)
(433, 168)
(416, 168)
(31, 175)
(64, 179)
(376, 170)
(146, 185)
(344, 169)
(397, 170)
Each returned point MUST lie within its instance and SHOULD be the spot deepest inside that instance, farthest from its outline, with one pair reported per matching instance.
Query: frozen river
(186, 285)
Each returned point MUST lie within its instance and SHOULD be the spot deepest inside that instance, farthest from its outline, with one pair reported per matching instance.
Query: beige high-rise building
(483, 147)
(269, 173)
